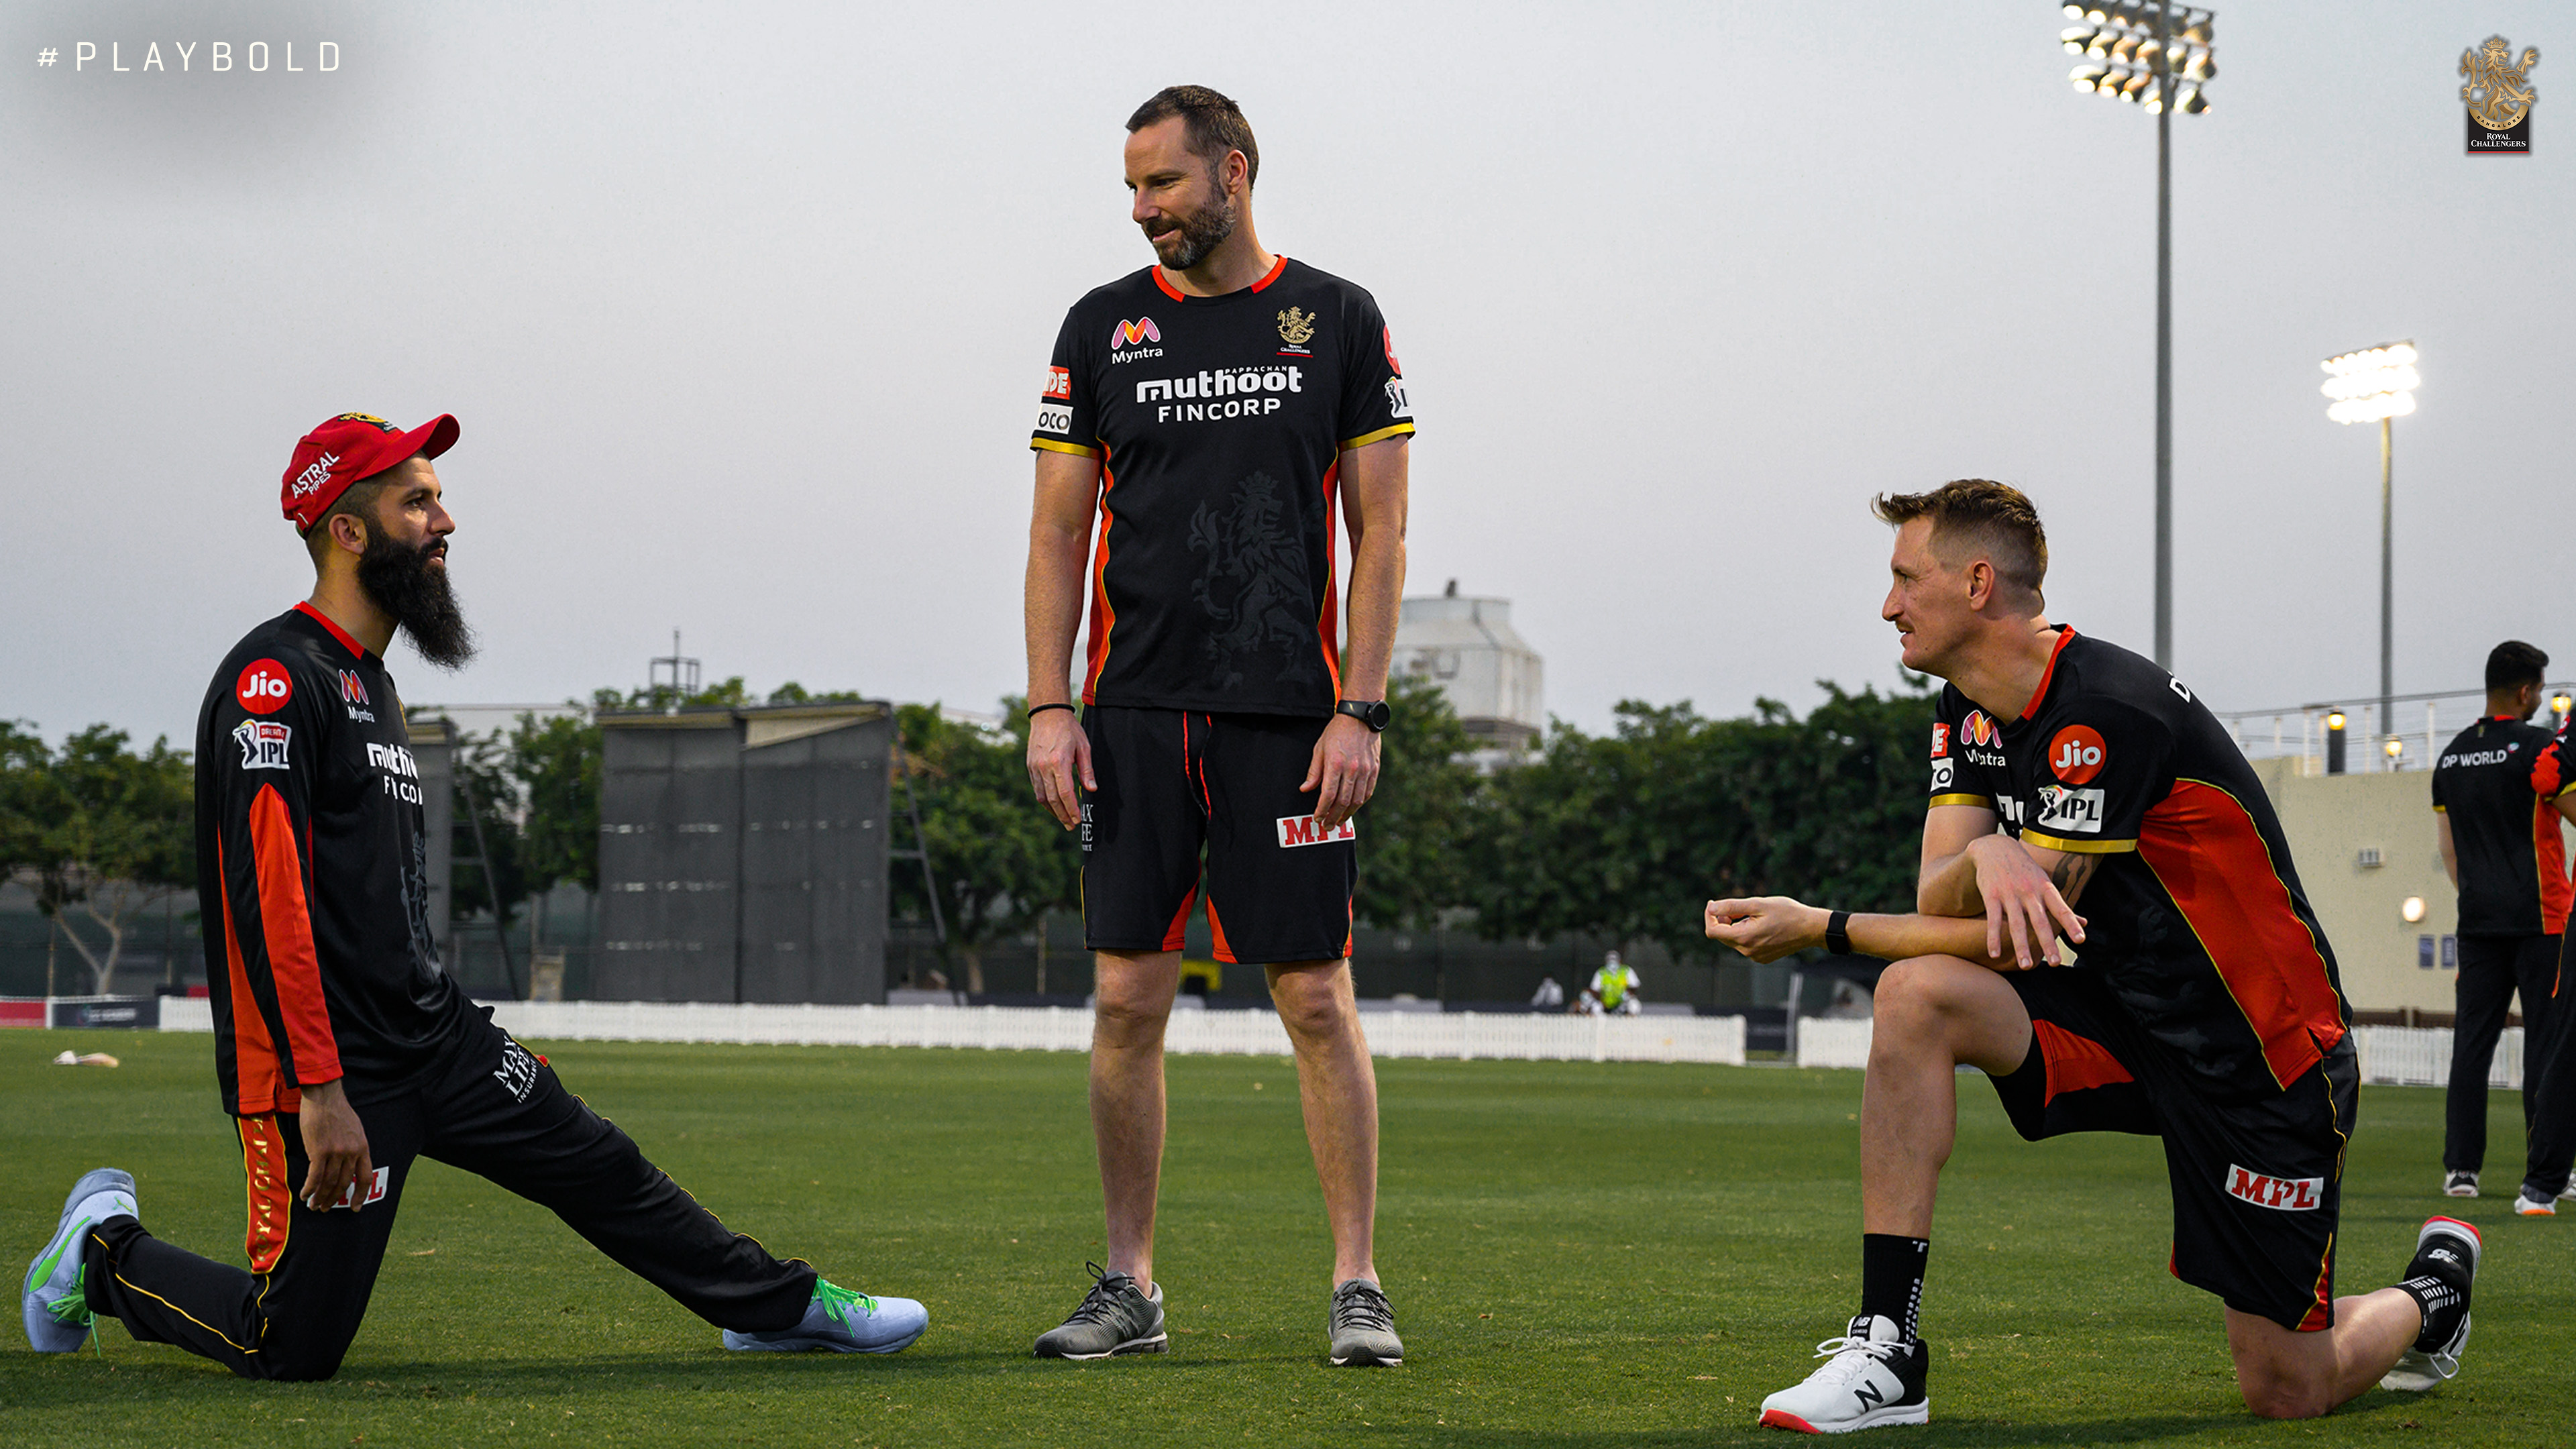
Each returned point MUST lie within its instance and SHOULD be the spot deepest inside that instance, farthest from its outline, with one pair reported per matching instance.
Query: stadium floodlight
(2376, 384)
(2411, 910)
(2156, 55)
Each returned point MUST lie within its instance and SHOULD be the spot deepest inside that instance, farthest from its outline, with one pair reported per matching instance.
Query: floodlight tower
(2157, 55)
(2378, 384)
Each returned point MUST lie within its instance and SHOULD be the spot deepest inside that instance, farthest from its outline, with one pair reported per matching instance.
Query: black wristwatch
(1370, 712)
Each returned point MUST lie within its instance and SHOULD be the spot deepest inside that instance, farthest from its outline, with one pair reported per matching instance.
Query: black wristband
(1038, 709)
(1837, 939)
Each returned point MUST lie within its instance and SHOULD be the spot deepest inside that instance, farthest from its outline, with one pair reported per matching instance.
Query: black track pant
(2553, 1110)
(494, 1110)
(2492, 970)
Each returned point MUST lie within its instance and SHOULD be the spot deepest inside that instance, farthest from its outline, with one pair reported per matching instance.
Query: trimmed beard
(1202, 232)
(401, 582)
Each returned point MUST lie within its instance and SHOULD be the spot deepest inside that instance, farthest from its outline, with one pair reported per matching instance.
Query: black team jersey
(2498, 783)
(311, 874)
(1219, 423)
(2195, 918)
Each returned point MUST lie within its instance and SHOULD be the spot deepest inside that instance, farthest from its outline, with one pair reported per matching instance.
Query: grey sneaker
(1113, 1318)
(2460, 1184)
(1364, 1327)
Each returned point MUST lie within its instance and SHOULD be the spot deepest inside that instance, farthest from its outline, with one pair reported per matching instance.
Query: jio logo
(262, 688)
(2075, 756)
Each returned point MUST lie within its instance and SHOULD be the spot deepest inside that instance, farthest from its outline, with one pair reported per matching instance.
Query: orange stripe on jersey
(1164, 282)
(256, 1081)
(2065, 636)
(264, 1179)
(2207, 854)
(1328, 627)
(1267, 277)
(286, 920)
(2075, 1062)
(1102, 615)
(2549, 848)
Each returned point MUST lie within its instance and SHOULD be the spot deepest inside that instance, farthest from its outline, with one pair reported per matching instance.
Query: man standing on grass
(2498, 791)
(343, 1049)
(2205, 1009)
(1213, 410)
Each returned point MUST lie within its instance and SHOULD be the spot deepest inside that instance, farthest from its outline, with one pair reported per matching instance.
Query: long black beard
(404, 585)
(1202, 232)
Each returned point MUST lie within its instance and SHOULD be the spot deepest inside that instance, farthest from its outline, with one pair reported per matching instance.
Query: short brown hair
(358, 500)
(1214, 124)
(1995, 517)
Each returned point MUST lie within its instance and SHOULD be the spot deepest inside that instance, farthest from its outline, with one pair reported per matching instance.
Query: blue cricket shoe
(844, 1322)
(57, 1314)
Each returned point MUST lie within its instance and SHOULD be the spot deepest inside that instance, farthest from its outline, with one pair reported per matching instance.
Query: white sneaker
(2460, 1184)
(2535, 1207)
(1871, 1377)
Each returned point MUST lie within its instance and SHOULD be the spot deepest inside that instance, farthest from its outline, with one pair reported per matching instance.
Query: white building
(1492, 677)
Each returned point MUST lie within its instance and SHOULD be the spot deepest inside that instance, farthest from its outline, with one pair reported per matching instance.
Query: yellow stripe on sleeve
(1381, 435)
(1986, 801)
(1076, 449)
(2079, 847)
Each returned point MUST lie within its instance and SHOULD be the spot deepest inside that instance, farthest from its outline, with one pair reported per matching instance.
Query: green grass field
(1579, 1255)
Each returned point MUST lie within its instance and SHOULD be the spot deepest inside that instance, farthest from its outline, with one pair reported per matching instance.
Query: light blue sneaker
(56, 1311)
(844, 1322)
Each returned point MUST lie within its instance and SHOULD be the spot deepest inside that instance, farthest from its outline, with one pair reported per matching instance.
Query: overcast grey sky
(743, 309)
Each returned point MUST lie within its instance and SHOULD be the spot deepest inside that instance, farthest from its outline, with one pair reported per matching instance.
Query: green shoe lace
(838, 1301)
(72, 1308)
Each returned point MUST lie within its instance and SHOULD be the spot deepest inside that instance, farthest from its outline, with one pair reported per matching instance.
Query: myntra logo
(1134, 334)
(1976, 729)
(353, 690)
(2288, 1194)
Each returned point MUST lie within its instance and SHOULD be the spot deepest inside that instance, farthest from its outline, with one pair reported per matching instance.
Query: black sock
(2438, 1281)
(1891, 1278)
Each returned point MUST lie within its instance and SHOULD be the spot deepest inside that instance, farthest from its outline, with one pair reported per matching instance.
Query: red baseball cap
(346, 449)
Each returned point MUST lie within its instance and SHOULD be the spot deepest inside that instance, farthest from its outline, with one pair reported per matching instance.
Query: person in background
(2498, 790)
(1616, 989)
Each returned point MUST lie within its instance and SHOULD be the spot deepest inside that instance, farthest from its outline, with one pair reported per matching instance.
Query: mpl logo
(353, 690)
(2076, 754)
(263, 687)
(1295, 830)
(1940, 738)
(1977, 729)
(2285, 1194)
(1059, 385)
(377, 1184)
(263, 743)
(312, 478)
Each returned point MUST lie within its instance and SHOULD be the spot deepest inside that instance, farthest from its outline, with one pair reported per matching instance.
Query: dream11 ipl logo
(2499, 95)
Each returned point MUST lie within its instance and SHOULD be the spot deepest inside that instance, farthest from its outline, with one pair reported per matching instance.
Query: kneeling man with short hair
(2205, 1009)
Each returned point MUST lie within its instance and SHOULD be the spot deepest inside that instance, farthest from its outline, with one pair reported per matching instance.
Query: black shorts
(2257, 1186)
(1174, 782)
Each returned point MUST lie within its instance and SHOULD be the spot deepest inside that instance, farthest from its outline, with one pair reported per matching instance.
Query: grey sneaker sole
(1158, 1343)
(1363, 1358)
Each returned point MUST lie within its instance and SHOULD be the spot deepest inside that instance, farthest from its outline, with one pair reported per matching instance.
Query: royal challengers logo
(1297, 327)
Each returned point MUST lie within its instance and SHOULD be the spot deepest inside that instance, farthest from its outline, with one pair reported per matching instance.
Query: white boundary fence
(2390, 1055)
(1457, 1035)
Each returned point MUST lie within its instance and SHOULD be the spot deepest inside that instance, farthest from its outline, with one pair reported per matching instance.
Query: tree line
(1619, 835)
